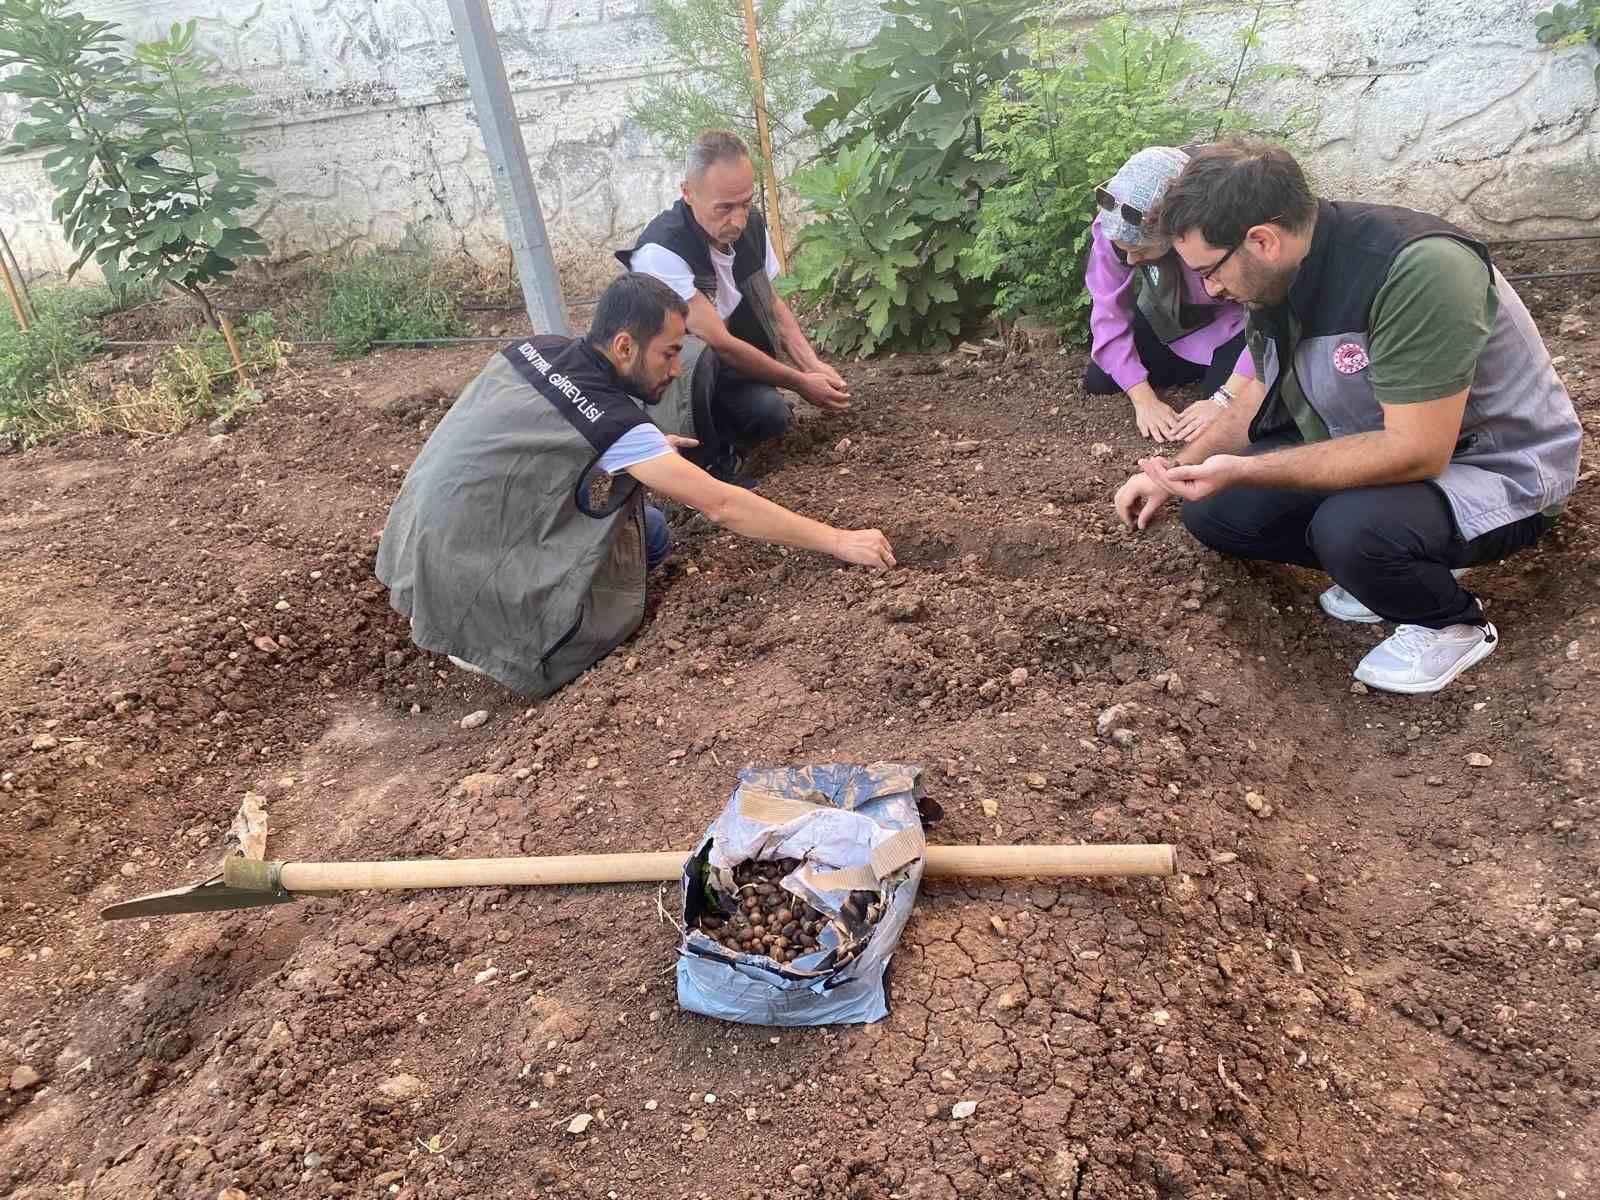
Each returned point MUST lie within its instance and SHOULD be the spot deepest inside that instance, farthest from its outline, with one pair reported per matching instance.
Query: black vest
(678, 231)
(1518, 452)
(1351, 253)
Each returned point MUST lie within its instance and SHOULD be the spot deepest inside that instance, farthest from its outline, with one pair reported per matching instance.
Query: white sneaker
(1342, 606)
(1417, 659)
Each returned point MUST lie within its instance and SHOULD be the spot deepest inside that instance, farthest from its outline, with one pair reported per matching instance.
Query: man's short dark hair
(634, 303)
(1230, 187)
(711, 146)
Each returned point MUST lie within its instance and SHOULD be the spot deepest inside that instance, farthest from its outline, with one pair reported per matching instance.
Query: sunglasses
(1109, 203)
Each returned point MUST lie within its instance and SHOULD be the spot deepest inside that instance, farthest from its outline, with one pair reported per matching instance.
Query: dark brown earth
(1381, 984)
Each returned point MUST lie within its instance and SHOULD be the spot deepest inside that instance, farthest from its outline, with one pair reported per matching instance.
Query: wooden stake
(11, 290)
(774, 216)
(22, 279)
(233, 348)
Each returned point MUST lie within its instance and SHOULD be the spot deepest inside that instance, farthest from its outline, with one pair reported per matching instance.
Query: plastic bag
(850, 842)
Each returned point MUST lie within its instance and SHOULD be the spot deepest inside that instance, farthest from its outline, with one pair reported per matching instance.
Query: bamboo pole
(22, 279)
(11, 291)
(774, 216)
(233, 349)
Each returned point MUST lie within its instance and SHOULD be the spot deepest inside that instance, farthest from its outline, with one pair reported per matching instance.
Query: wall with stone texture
(365, 124)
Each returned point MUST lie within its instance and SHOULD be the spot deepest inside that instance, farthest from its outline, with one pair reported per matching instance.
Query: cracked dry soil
(1380, 982)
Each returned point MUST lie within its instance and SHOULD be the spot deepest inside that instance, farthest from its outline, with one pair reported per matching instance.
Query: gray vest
(1520, 437)
(1160, 299)
(497, 549)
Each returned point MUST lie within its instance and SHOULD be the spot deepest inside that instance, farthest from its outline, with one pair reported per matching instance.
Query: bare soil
(1380, 982)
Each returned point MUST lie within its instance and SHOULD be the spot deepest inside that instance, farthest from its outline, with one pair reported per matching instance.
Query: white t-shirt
(655, 259)
(639, 444)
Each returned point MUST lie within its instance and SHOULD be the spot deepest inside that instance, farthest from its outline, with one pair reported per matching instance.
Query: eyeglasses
(1206, 273)
(1210, 271)
(1111, 204)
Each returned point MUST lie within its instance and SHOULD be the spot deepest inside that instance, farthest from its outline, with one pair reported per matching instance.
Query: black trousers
(732, 412)
(1392, 547)
(1166, 368)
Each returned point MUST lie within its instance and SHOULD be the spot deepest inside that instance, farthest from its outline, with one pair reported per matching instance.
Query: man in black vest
(520, 540)
(713, 250)
(1408, 424)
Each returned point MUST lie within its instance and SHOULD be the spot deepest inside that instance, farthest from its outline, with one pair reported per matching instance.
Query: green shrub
(897, 191)
(34, 366)
(879, 262)
(1064, 125)
(383, 297)
(50, 385)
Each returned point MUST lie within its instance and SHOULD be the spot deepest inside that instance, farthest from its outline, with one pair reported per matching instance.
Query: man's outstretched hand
(1198, 480)
(825, 389)
(864, 548)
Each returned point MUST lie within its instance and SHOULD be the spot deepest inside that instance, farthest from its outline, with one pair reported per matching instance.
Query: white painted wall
(1445, 105)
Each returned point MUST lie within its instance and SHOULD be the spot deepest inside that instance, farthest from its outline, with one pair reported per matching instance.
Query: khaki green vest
(494, 548)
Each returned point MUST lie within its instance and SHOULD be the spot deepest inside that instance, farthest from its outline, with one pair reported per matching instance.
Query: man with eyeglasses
(1408, 424)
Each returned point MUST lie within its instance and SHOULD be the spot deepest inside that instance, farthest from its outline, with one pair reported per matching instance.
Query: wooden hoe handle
(995, 861)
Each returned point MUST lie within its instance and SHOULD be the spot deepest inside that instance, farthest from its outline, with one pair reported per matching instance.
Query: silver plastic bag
(853, 836)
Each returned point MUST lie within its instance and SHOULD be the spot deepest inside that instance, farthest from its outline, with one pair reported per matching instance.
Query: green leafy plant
(1066, 124)
(51, 385)
(35, 366)
(1570, 25)
(879, 260)
(707, 83)
(143, 152)
(918, 88)
(381, 296)
(897, 191)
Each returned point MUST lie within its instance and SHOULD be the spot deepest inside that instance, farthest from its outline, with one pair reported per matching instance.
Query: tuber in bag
(794, 901)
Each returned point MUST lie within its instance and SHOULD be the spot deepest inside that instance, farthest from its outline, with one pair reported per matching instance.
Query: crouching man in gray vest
(1408, 423)
(713, 250)
(511, 547)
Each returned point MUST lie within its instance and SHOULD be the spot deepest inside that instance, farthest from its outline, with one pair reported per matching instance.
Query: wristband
(1222, 397)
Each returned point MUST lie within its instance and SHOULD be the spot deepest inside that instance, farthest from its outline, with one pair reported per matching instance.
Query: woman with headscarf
(1152, 325)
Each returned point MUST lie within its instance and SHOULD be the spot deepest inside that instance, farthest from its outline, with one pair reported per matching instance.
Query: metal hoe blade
(211, 896)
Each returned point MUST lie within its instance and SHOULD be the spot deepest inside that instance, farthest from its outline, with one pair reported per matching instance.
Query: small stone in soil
(1478, 759)
(475, 719)
(962, 1109)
